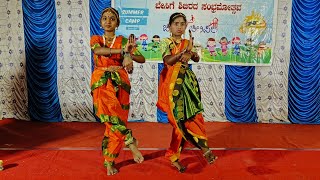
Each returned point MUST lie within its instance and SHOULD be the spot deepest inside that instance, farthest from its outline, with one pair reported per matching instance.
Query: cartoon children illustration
(261, 49)
(236, 47)
(144, 38)
(249, 46)
(211, 46)
(155, 43)
(224, 45)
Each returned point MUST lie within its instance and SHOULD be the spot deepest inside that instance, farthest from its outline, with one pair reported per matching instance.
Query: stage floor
(71, 150)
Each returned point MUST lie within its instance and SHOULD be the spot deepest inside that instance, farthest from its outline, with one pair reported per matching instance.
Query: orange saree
(179, 96)
(110, 89)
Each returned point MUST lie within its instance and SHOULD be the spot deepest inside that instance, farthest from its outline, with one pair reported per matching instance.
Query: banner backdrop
(227, 32)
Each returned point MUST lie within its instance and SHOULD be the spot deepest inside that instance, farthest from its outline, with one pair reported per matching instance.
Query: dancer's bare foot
(111, 170)
(1, 165)
(210, 157)
(137, 156)
(179, 166)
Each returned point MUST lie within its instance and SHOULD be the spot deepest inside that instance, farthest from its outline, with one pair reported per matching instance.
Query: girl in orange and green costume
(110, 87)
(179, 93)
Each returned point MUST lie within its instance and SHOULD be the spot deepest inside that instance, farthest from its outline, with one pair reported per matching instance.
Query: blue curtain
(304, 69)
(96, 7)
(240, 105)
(39, 18)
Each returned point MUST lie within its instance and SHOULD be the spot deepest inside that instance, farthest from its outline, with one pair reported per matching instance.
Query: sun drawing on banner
(253, 25)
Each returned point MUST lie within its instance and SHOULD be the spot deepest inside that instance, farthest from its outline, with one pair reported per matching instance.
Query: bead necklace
(104, 41)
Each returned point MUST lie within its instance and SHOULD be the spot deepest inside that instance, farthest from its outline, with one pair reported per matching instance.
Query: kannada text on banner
(227, 32)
